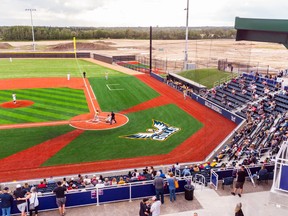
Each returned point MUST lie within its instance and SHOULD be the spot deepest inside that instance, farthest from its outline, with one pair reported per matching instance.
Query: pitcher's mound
(88, 121)
(18, 104)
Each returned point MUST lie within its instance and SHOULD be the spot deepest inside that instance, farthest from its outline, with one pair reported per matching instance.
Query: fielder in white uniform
(14, 98)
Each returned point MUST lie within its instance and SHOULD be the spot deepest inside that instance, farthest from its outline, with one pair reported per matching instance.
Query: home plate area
(90, 122)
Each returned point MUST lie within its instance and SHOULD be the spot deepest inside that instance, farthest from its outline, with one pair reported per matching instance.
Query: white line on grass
(113, 88)
(93, 92)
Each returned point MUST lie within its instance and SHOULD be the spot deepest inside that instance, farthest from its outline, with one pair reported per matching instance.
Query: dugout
(196, 87)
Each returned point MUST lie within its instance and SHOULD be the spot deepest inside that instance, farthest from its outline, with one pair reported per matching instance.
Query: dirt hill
(99, 45)
(5, 46)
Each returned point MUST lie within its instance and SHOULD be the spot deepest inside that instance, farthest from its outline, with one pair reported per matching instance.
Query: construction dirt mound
(5, 46)
(99, 45)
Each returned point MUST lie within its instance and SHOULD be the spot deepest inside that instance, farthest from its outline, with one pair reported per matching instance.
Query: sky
(135, 13)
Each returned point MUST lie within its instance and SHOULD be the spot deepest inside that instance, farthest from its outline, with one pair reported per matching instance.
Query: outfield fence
(45, 55)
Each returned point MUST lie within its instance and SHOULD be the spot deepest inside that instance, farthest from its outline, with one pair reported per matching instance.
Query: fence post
(130, 192)
(97, 195)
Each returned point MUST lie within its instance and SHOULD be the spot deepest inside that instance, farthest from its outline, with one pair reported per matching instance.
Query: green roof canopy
(262, 30)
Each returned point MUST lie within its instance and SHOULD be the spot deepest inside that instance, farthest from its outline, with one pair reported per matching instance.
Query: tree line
(24, 33)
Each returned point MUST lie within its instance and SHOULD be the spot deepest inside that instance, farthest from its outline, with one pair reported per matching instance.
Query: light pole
(33, 38)
(186, 38)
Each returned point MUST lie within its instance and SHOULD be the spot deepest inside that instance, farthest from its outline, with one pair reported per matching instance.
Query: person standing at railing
(159, 187)
(171, 186)
(19, 195)
(60, 197)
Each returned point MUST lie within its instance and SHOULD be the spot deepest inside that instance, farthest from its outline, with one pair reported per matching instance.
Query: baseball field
(52, 128)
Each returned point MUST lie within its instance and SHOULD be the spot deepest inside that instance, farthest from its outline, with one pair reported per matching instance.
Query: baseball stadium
(75, 114)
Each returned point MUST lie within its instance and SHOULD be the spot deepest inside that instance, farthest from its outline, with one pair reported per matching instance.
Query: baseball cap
(18, 186)
(154, 198)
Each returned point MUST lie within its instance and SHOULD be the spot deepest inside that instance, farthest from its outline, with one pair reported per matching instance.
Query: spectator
(135, 175)
(196, 168)
(64, 182)
(60, 198)
(19, 195)
(186, 171)
(162, 175)
(159, 187)
(155, 207)
(80, 179)
(121, 181)
(33, 201)
(6, 202)
(172, 188)
(262, 172)
(107, 182)
(114, 181)
(26, 186)
(177, 169)
(240, 181)
(94, 180)
(145, 171)
(238, 210)
(144, 207)
(41, 185)
(87, 181)
(51, 180)
(100, 184)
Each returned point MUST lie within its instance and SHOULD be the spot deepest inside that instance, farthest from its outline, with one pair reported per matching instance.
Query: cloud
(137, 12)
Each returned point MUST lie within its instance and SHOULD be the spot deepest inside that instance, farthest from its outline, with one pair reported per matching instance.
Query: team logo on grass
(160, 132)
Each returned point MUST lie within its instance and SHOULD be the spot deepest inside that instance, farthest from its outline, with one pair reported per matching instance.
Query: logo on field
(160, 132)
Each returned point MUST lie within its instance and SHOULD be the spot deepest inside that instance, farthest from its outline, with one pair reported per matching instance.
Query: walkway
(207, 202)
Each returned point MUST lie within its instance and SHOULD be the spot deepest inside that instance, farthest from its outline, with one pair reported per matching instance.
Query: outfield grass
(29, 68)
(51, 104)
(206, 77)
(120, 92)
(17, 140)
(109, 144)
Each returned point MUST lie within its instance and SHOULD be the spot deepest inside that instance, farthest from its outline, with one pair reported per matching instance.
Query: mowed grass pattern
(120, 92)
(110, 144)
(51, 104)
(17, 140)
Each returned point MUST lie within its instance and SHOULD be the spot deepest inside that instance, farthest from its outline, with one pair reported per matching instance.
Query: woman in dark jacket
(238, 210)
(144, 207)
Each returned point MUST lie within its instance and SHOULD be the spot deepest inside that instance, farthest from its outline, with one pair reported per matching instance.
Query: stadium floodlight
(33, 38)
(186, 38)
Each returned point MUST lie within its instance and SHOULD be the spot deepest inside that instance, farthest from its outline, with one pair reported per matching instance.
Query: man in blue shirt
(6, 202)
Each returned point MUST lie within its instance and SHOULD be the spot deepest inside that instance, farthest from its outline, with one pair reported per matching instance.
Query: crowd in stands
(244, 89)
(263, 102)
